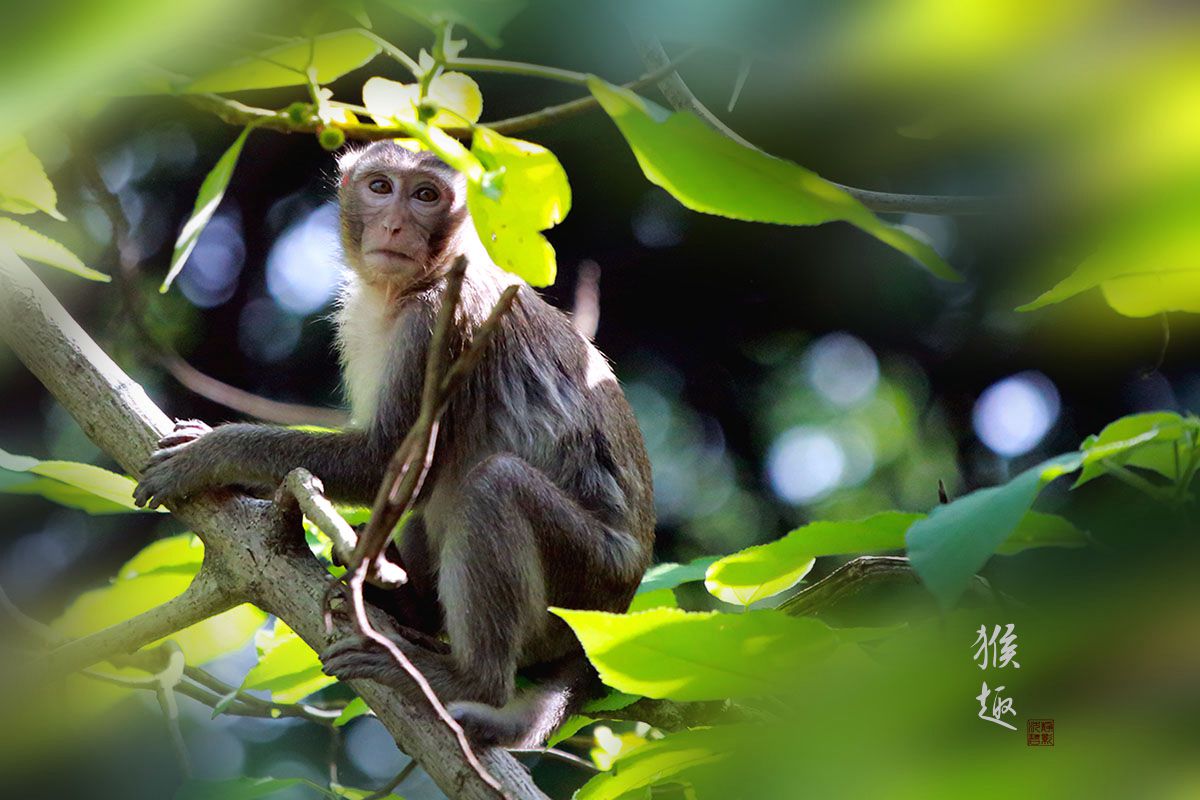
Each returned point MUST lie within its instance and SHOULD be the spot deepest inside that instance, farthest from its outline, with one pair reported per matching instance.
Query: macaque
(539, 493)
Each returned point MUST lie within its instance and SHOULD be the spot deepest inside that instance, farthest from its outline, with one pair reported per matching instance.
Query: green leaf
(353, 710)
(1037, 529)
(1149, 265)
(1151, 441)
(287, 667)
(681, 655)
(456, 94)
(484, 18)
(211, 192)
(82, 486)
(659, 598)
(713, 174)
(24, 185)
(670, 574)
(612, 701)
(663, 761)
(34, 246)
(332, 55)
(766, 570)
(237, 788)
(956, 540)
(159, 573)
(533, 196)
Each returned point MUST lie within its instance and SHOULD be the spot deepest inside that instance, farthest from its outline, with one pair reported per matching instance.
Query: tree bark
(251, 551)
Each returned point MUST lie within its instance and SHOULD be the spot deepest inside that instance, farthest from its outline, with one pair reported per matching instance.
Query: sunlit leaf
(670, 574)
(662, 761)
(713, 174)
(81, 486)
(161, 572)
(32, 245)
(287, 667)
(1159, 446)
(659, 598)
(765, 570)
(457, 96)
(24, 186)
(681, 655)
(485, 18)
(332, 55)
(1149, 265)
(353, 710)
(209, 197)
(533, 195)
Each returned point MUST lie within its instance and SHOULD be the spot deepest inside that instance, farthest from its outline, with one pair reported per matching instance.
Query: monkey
(539, 493)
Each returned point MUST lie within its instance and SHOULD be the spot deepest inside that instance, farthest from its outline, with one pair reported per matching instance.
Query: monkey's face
(401, 212)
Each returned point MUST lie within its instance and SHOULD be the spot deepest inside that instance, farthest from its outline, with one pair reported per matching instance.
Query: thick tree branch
(249, 550)
(682, 98)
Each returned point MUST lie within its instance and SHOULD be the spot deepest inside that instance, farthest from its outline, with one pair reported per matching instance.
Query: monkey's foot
(359, 657)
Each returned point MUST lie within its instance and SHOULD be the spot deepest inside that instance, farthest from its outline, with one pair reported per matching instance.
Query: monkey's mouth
(388, 253)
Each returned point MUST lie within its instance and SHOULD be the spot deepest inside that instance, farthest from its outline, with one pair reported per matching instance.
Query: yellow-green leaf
(533, 195)
(24, 186)
(667, 760)
(766, 570)
(711, 173)
(287, 667)
(28, 243)
(1149, 265)
(681, 655)
(457, 96)
(212, 190)
(89, 488)
(161, 572)
(332, 55)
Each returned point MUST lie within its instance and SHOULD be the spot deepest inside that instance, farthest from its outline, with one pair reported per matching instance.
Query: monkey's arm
(194, 458)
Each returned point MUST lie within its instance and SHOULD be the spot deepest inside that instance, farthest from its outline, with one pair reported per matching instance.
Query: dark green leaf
(209, 197)
(956, 540)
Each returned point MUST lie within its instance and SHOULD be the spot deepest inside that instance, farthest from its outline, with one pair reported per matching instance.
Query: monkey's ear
(346, 162)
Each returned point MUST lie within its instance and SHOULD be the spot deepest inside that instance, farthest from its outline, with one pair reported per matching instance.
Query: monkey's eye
(380, 186)
(426, 194)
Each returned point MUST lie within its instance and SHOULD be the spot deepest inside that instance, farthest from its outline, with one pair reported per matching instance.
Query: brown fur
(540, 491)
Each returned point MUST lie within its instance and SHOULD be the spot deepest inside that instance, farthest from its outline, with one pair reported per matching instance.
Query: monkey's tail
(528, 720)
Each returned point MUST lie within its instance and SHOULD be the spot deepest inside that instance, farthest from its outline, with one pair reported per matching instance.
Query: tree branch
(248, 548)
(204, 598)
(682, 98)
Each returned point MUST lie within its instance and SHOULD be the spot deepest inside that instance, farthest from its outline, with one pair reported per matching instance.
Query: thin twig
(241, 114)
(304, 490)
(682, 98)
(563, 756)
(383, 791)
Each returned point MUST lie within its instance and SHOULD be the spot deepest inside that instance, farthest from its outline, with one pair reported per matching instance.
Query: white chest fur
(366, 326)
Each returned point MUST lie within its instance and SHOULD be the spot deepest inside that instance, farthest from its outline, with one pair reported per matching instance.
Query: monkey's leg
(515, 544)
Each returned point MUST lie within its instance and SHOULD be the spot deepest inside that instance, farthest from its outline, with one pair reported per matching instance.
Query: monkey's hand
(181, 466)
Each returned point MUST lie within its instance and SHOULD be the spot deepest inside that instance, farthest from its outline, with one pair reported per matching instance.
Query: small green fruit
(331, 138)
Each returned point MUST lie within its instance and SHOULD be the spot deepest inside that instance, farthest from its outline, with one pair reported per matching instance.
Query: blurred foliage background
(780, 374)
